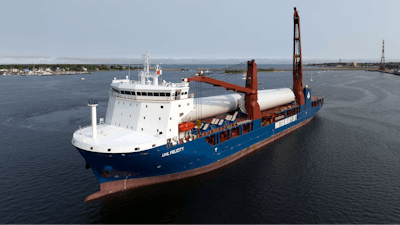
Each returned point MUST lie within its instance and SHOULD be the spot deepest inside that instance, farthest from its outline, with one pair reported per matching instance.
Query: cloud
(90, 60)
(32, 58)
(24, 56)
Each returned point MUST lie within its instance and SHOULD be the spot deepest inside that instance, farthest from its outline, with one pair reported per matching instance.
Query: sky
(97, 31)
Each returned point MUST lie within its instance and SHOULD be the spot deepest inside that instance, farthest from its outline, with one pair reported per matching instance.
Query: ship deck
(267, 116)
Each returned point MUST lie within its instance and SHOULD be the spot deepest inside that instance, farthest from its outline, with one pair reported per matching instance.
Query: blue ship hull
(186, 158)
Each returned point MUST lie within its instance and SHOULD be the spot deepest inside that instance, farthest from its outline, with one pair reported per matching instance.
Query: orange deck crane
(297, 61)
(250, 90)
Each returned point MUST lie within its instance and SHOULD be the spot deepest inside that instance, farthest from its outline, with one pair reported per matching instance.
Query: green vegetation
(265, 70)
(69, 67)
(235, 71)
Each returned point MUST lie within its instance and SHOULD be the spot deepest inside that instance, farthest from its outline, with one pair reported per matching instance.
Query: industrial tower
(382, 66)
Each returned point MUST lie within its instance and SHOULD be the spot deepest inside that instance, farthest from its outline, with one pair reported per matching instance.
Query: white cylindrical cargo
(212, 106)
(268, 99)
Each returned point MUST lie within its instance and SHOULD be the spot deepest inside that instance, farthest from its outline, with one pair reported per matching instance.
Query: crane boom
(297, 61)
(250, 90)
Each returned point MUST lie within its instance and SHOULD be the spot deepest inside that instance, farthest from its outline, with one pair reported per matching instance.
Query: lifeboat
(186, 126)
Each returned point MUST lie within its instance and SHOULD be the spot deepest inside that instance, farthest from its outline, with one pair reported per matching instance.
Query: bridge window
(132, 93)
(156, 94)
(144, 93)
(127, 92)
(150, 94)
(139, 94)
(167, 94)
(162, 94)
(122, 92)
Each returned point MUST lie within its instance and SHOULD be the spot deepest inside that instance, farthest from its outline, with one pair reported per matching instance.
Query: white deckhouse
(141, 115)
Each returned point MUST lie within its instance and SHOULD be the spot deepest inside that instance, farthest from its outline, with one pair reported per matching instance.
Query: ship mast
(145, 74)
(297, 61)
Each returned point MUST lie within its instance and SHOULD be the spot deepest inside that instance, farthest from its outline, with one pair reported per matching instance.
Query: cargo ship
(158, 132)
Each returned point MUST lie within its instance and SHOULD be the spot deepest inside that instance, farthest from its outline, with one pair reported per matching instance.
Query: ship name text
(172, 152)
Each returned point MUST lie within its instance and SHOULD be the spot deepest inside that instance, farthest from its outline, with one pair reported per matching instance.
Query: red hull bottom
(122, 185)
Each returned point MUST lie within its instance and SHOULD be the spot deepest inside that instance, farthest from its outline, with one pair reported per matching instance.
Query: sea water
(343, 167)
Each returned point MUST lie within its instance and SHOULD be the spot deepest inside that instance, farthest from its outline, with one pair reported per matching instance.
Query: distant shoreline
(261, 70)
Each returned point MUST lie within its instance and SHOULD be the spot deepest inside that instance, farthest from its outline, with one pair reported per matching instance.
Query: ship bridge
(162, 92)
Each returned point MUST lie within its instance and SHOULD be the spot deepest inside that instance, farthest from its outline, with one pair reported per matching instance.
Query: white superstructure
(145, 114)
(141, 114)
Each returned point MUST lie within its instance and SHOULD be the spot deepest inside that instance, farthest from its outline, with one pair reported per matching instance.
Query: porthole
(170, 118)
(144, 117)
(91, 148)
(159, 118)
(146, 106)
(188, 104)
(142, 129)
(136, 148)
(109, 149)
(179, 105)
(162, 106)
